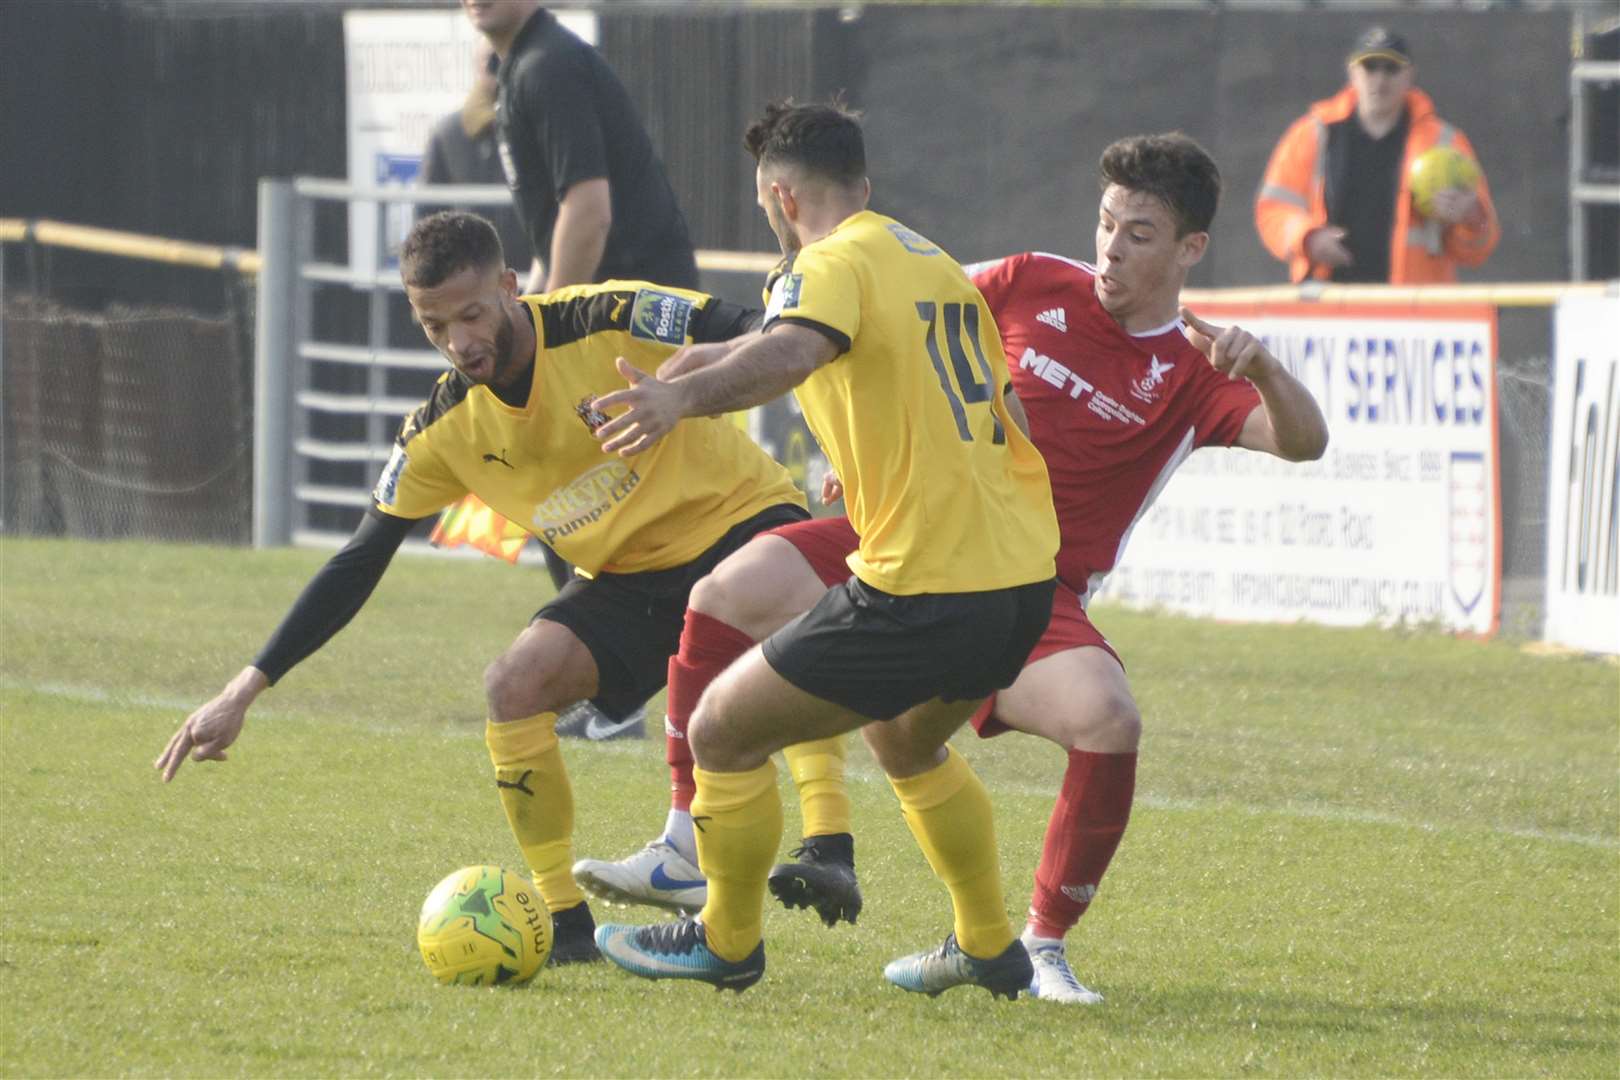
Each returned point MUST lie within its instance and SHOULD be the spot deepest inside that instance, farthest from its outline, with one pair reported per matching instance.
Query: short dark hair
(824, 140)
(1172, 168)
(443, 244)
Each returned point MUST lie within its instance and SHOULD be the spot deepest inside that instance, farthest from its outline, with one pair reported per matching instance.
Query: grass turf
(1353, 853)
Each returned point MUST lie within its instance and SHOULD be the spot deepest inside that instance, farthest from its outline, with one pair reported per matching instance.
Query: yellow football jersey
(540, 464)
(946, 493)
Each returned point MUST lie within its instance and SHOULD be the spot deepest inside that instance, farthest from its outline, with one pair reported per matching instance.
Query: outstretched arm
(332, 597)
(717, 331)
(761, 370)
(1287, 422)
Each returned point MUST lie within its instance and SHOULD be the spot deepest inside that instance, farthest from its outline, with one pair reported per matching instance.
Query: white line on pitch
(96, 695)
(1290, 810)
(866, 774)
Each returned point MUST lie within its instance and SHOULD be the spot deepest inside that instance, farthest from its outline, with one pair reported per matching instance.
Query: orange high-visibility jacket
(1290, 202)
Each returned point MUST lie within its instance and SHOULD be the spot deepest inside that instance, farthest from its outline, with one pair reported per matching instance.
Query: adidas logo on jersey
(1055, 318)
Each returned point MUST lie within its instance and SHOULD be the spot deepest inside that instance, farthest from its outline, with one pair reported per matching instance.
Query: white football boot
(1054, 979)
(657, 874)
(603, 728)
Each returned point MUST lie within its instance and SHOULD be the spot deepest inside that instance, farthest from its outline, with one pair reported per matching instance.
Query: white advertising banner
(406, 70)
(1399, 521)
(1583, 484)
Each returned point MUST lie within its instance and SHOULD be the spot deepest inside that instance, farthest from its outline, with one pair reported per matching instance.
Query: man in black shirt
(461, 149)
(1363, 166)
(591, 191)
(1364, 175)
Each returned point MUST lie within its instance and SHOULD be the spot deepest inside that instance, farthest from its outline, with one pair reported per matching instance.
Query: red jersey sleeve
(1223, 405)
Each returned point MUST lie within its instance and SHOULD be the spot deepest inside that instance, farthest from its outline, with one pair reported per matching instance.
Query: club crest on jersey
(916, 243)
(387, 488)
(1147, 386)
(660, 316)
(589, 414)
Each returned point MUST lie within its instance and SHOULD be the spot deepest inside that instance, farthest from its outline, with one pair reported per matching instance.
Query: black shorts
(631, 623)
(878, 654)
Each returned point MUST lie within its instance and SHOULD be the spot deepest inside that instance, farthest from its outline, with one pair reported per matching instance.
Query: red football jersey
(1113, 413)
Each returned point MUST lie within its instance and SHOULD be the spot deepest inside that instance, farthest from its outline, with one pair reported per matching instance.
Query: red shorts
(826, 543)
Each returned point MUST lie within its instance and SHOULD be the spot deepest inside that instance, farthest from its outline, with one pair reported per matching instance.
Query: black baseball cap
(1380, 43)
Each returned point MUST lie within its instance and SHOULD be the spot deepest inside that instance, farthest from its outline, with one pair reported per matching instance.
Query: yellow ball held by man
(1438, 169)
(483, 926)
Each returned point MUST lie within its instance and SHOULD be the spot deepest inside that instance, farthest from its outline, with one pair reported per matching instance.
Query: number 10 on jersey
(961, 329)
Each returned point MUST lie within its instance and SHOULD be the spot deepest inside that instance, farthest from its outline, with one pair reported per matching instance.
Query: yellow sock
(948, 810)
(738, 820)
(818, 772)
(539, 802)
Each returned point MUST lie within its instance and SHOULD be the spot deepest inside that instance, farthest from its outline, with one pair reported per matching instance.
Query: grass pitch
(1354, 853)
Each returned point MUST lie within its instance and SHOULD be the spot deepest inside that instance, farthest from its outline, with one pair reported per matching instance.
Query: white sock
(1032, 941)
(678, 834)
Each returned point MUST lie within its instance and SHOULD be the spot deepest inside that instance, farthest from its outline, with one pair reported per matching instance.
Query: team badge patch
(589, 414)
(660, 316)
(786, 294)
(916, 243)
(388, 483)
(1146, 388)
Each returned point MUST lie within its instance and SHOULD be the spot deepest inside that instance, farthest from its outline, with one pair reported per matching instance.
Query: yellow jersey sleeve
(821, 291)
(416, 482)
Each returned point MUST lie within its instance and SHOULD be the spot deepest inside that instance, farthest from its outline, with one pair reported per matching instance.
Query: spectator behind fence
(1337, 202)
(592, 193)
(462, 150)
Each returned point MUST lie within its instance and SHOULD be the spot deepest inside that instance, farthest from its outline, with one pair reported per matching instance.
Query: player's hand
(651, 407)
(1231, 350)
(832, 488)
(212, 728)
(1455, 206)
(690, 358)
(1325, 247)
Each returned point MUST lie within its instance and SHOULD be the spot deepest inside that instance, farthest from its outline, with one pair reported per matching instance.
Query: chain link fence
(131, 422)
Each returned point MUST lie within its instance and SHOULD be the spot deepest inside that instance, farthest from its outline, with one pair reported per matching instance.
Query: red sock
(708, 646)
(1087, 823)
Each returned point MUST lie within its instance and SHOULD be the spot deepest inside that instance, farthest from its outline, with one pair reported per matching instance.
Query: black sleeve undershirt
(335, 594)
(720, 320)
